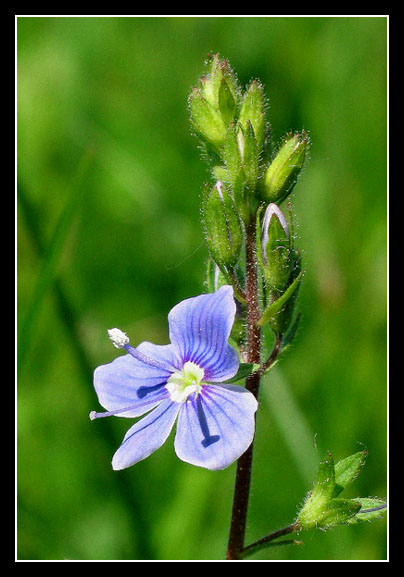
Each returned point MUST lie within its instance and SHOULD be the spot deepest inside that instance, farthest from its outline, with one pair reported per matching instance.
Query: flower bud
(250, 159)
(219, 88)
(321, 509)
(232, 156)
(253, 111)
(206, 121)
(275, 249)
(222, 225)
(281, 175)
(321, 494)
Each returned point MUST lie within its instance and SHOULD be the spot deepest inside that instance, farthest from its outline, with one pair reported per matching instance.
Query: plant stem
(244, 464)
(275, 535)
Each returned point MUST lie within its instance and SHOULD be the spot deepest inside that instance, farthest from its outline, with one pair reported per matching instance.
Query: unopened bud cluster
(324, 508)
(248, 177)
(233, 129)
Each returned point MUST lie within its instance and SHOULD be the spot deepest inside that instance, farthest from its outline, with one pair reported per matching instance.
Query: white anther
(119, 338)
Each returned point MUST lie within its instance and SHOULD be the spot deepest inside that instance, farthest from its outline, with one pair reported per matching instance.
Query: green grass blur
(109, 183)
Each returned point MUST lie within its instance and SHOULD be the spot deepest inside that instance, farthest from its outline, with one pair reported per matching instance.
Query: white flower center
(181, 384)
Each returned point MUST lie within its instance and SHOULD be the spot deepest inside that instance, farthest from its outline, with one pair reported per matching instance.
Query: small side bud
(119, 338)
(275, 249)
(222, 226)
(322, 509)
(281, 175)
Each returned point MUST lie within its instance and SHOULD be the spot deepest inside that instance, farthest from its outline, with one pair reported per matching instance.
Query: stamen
(94, 415)
(120, 340)
(147, 360)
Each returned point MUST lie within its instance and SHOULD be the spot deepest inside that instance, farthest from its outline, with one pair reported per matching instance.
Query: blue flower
(181, 382)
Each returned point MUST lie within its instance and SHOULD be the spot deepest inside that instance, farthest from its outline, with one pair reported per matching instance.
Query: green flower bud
(250, 159)
(233, 159)
(227, 101)
(220, 173)
(275, 249)
(206, 121)
(321, 509)
(253, 110)
(222, 226)
(219, 88)
(281, 175)
(336, 512)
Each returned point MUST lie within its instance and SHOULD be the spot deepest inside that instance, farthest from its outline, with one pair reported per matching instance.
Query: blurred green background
(109, 183)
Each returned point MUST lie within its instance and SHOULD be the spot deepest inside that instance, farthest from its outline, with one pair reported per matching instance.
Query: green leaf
(278, 305)
(346, 471)
(289, 336)
(286, 342)
(244, 370)
(52, 256)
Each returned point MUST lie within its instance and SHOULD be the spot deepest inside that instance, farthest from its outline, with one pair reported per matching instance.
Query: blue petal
(146, 436)
(216, 427)
(199, 330)
(127, 382)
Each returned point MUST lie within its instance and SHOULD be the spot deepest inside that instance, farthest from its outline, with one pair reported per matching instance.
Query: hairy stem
(244, 464)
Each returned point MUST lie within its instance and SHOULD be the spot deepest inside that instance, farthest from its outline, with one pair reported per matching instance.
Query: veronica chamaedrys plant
(254, 269)
(182, 381)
